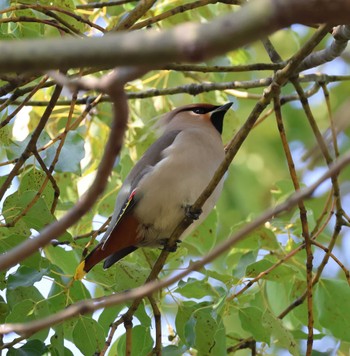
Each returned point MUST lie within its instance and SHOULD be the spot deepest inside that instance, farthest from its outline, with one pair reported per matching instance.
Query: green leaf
(16, 148)
(78, 291)
(68, 327)
(262, 238)
(3, 280)
(142, 315)
(70, 156)
(232, 322)
(106, 204)
(109, 315)
(5, 131)
(332, 300)
(67, 183)
(28, 310)
(244, 260)
(190, 333)
(174, 350)
(33, 180)
(67, 261)
(4, 310)
(282, 336)
(227, 279)
(31, 348)
(104, 277)
(10, 210)
(203, 239)
(88, 336)
(251, 320)
(25, 277)
(278, 274)
(57, 297)
(15, 296)
(201, 328)
(194, 288)
(183, 318)
(27, 29)
(210, 335)
(129, 275)
(56, 342)
(35, 218)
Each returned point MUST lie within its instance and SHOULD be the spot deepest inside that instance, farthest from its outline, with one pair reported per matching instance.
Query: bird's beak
(217, 116)
(223, 108)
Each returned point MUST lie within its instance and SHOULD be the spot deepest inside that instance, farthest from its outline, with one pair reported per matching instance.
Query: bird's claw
(192, 214)
(164, 243)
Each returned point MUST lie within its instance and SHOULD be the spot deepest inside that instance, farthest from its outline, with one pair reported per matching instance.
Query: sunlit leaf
(193, 288)
(71, 153)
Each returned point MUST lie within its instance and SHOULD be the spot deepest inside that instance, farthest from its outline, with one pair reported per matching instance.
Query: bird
(164, 183)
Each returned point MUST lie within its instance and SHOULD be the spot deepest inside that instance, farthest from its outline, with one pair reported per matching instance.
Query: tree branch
(341, 36)
(189, 42)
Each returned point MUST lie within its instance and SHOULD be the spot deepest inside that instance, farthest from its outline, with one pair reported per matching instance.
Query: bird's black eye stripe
(202, 110)
(199, 111)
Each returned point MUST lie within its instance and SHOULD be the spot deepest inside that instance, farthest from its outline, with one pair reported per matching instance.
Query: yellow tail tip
(80, 272)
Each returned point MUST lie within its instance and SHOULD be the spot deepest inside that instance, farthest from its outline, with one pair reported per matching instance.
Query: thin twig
(261, 275)
(99, 5)
(157, 350)
(177, 10)
(23, 103)
(31, 146)
(304, 223)
(139, 10)
(335, 259)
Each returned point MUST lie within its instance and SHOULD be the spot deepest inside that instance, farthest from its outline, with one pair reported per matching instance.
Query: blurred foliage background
(207, 312)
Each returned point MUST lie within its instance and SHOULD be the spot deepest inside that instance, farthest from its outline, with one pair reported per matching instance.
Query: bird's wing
(128, 196)
(126, 208)
(151, 157)
(117, 241)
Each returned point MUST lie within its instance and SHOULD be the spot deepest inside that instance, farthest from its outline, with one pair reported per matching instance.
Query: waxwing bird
(169, 177)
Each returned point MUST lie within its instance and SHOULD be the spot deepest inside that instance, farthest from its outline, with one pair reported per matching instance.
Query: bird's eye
(199, 111)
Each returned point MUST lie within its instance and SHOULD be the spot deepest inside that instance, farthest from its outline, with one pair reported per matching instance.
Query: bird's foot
(192, 214)
(164, 243)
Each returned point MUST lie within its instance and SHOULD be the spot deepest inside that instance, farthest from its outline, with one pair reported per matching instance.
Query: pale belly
(174, 183)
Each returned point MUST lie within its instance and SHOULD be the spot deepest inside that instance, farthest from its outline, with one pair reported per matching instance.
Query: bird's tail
(94, 257)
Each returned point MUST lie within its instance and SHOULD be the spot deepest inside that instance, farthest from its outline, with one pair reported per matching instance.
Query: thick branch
(190, 42)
